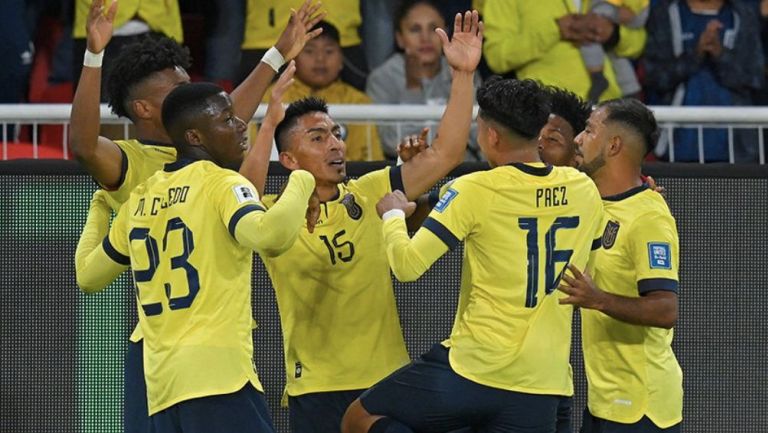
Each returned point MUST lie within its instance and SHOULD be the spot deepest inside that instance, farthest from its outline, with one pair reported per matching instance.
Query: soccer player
(334, 291)
(567, 117)
(505, 365)
(629, 304)
(143, 75)
(188, 233)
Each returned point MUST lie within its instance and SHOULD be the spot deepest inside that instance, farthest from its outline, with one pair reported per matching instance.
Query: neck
(195, 153)
(327, 191)
(617, 178)
(525, 154)
(148, 131)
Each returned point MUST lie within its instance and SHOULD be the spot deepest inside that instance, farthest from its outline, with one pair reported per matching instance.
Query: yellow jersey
(161, 16)
(193, 280)
(140, 161)
(341, 329)
(266, 19)
(521, 225)
(631, 369)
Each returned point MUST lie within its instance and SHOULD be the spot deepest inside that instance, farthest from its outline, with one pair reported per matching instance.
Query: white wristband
(393, 213)
(274, 59)
(93, 60)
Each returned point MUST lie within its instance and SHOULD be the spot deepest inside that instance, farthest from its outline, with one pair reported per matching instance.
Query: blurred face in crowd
(416, 33)
(319, 63)
(556, 142)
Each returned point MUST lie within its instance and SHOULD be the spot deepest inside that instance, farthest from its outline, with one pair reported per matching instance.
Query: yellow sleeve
(517, 32)
(410, 258)
(98, 261)
(453, 217)
(273, 232)
(631, 42)
(655, 252)
(378, 183)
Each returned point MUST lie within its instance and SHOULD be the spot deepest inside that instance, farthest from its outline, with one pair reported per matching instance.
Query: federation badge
(609, 235)
(353, 209)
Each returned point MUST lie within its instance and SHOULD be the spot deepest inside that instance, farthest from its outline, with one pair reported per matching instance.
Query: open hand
(99, 25)
(275, 110)
(463, 51)
(412, 145)
(395, 200)
(297, 32)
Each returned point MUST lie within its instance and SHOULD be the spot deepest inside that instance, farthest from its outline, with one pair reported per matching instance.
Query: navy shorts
(593, 424)
(244, 411)
(136, 412)
(320, 412)
(428, 396)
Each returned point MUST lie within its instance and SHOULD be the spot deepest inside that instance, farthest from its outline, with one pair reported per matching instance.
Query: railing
(731, 120)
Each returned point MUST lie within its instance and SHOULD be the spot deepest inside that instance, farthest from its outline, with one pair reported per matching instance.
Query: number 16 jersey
(341, 329)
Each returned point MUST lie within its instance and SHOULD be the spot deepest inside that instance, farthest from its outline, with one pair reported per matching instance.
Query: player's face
(223, 133)
(592, 143)
(416, 34)
(556, 145)
(157, 86)
(319, 63)
(317, 146)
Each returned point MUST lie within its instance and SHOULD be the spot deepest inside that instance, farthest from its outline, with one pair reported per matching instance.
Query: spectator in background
(318, 70)
(704, 52)
(225, 24)
(539, 40)
(134, 19)
(265, 19)
(377, 31)
(16, 52)
(418, 74)
(630, 13)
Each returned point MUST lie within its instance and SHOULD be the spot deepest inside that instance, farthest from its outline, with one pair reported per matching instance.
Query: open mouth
(336, 162)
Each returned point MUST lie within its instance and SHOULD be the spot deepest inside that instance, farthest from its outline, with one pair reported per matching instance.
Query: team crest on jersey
(658, 255)
(244, 193)
(446, 199)
(609, 235)
(353, 209)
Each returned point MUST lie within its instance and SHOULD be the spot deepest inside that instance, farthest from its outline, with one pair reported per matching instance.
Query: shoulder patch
(609, 234)
(446, 199)
(244, 193)
(659, 255)
(353, 209)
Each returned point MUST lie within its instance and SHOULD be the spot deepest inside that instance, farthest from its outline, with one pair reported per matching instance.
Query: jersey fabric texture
(631, 369)
(193, 280)
(341, 329)
(521, 225)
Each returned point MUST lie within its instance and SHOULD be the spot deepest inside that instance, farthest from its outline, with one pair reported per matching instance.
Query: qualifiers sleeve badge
(610, 234)
(446, 199)
(244, 193)
(658, 255)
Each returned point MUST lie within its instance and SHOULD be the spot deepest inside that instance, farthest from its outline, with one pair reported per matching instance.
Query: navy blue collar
(534, 171)
(178, 164)
(154, 143)
(628, 193)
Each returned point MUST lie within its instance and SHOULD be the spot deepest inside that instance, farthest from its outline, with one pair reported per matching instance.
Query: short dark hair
(184, 106)
(329, 31)
(294, 111)
(136, 62)
(570, 107)
(406, 6)
(521, 106)
(633, 114)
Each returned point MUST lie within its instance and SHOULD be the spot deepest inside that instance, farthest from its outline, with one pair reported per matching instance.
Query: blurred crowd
(665, 52)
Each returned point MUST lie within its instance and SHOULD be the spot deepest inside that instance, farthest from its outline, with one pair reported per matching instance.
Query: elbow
(405, 276)
(667, 319)
(87, 286)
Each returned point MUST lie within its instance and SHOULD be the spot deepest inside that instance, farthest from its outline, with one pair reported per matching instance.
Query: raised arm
(447, 151)
(247, 96)
(256, 163)
(100, 156)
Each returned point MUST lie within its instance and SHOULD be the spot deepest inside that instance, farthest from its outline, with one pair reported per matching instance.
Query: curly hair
(293, 113)
(570, 107)
(521, 106)
(136, 62)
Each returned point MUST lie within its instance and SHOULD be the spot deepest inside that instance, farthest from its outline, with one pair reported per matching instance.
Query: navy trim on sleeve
(597, 243)
(113, 254)
(243, 211)
(396, 178)
(441, 232)
(655, 284)
(433, 198)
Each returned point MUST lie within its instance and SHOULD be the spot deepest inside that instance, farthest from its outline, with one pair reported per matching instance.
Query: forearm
(96, 270)
(256, 163)
(95, 229)
(410, 258)
(247, 96)
(648, 310)
(273, 232)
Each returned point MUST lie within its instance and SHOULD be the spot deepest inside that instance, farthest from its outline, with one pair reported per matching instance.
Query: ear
(141, 108)
(193, 137)
(615, 145)
(493, 136)
(288, 161)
